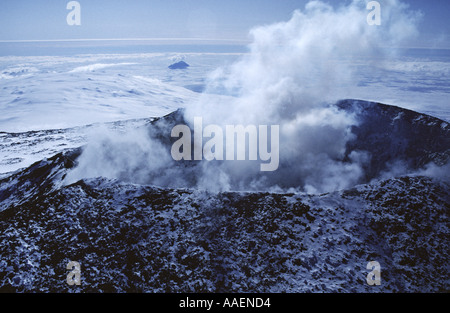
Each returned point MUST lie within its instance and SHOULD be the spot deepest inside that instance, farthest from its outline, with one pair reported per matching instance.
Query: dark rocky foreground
(131, 238)
(136, 238)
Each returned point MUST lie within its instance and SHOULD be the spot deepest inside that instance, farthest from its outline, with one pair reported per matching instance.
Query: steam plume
(293, 71)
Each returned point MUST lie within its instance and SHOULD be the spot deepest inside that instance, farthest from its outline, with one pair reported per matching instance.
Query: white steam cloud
(293, 71)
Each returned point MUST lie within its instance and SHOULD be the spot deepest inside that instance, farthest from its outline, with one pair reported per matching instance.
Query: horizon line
(175, 39)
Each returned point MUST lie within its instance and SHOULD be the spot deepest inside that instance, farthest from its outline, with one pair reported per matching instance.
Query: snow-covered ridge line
(398, 141)
(96, 66)
(20, 150)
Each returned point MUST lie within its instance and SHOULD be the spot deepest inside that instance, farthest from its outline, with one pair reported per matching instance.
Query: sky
(223, 20)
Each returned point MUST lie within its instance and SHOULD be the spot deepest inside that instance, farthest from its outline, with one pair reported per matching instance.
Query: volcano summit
(131, 237)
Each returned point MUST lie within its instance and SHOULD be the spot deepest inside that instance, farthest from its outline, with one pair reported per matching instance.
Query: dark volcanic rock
(179, 66)
(396, 135)
(131, 238)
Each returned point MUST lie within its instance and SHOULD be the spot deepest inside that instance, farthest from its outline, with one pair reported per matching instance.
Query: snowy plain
(51, 103)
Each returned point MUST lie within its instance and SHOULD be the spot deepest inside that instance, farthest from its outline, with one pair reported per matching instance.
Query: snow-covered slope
(20, 150)
(84, 96)
(140, 238)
